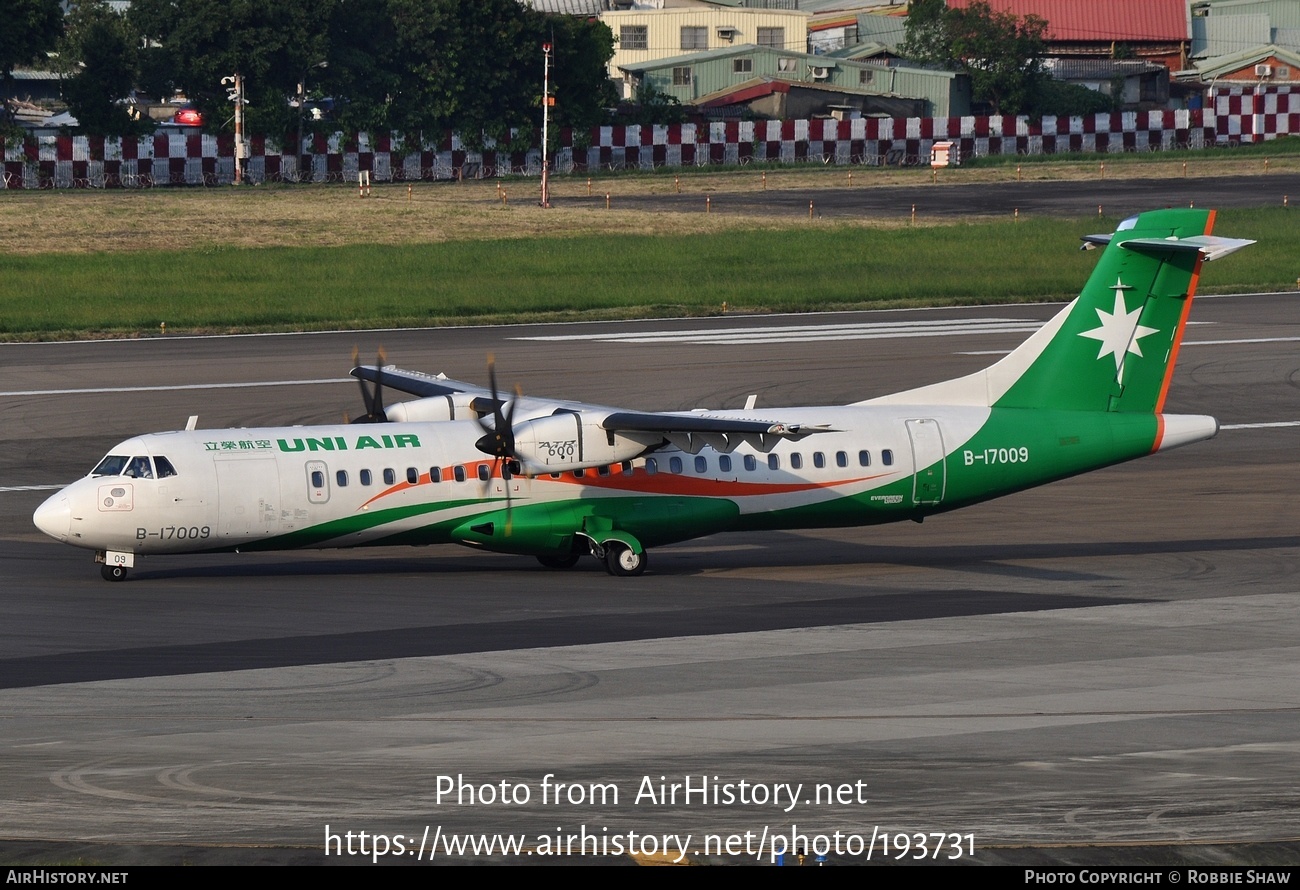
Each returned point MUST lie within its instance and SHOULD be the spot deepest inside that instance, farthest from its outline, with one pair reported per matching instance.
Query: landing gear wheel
(567, 561)
(623, 562)
(113, 573)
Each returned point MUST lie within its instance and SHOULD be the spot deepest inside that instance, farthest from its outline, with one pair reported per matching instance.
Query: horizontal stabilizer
(1211, 247)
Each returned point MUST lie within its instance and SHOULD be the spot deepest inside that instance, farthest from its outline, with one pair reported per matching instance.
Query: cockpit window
(139, 468)
(164, 467)
(113, 465)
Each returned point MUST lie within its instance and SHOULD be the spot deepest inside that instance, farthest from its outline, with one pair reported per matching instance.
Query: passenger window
(366, 478)
(602, 471)
(459, 473)
(651, 466)
(701, 464)
(164, 467)
(317, 479)
(627, 468)
(484, 472)
(435, 474)
(390, 476)
(819, 460)
(796, 461)
(675, 464)
(864, 458)
(341, 477)
(841, 459)
(555, 475)
(887, 457)
(774, 461)
(751, 463)
(724, 463)
(412, 475)
(578, 474)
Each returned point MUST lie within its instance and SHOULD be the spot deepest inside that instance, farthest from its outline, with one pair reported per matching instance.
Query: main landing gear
(624, 562)
(618, 558)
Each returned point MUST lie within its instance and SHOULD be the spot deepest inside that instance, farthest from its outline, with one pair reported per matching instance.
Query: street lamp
(302, 100)
(546, 118)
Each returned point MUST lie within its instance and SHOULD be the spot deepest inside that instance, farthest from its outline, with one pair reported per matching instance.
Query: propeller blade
(372, 400)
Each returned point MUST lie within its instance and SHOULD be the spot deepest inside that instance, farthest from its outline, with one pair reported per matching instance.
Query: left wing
(549, 435)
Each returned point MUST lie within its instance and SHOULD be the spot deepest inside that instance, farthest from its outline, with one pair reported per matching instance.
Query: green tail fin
(1114, 347)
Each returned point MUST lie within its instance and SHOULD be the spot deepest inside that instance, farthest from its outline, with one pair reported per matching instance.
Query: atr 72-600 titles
(558, 480)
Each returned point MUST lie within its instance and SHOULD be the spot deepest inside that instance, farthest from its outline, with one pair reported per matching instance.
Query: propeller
(498, 440)
(373, 400)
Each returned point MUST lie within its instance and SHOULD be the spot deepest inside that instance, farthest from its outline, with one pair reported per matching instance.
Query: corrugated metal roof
(1282, 13)
(1099, 69)
(1218, 35)
(1071, 21)
(1219, 66)
(568, 7)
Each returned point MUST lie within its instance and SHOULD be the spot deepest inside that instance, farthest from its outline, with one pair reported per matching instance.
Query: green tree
(99, 57)
(195, 43)
(30, 28)
(1002, 52)
(469, 65)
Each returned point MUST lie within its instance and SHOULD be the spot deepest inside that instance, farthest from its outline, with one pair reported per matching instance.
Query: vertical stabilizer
(1114, 347)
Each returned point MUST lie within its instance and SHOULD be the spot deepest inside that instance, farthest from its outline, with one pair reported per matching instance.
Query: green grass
(805, 268)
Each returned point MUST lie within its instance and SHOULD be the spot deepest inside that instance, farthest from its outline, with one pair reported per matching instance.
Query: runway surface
(1108, 661)
(946, 199)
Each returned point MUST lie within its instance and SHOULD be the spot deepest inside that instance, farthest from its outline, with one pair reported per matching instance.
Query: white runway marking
(811, 333)
(4, 488)
(100, 389)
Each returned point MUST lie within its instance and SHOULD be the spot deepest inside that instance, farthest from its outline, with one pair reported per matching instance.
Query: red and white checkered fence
(1255, 112)
(60, 161)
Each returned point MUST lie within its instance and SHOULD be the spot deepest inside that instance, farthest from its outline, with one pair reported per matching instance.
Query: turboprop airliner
(561, 480)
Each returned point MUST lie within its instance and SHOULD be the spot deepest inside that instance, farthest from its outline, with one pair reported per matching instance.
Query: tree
(99, 58)
(470, 65)
(195, 43)
(1002, 52)
(30, 28)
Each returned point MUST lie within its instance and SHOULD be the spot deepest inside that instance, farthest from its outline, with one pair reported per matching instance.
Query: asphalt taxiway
(1108, 661)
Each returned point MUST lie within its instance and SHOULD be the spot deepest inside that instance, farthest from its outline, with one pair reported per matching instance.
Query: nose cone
(54, 517)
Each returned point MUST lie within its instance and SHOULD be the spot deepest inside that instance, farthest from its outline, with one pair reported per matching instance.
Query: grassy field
(306, 258)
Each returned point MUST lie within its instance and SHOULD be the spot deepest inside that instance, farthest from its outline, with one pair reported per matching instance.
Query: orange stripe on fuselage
(673, 483)
(1182, 324)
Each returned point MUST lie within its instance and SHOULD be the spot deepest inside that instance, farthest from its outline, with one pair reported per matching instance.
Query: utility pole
(236, 95)
(546, 119)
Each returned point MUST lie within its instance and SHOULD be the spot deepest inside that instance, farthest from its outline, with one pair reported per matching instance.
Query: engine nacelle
(455, 406)
(570, 441)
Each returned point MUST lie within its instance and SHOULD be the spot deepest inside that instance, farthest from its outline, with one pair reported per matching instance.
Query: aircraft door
(318, 482)
(929, 466)
(248, 495)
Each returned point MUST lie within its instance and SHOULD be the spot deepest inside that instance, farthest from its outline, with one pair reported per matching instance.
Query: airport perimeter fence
(60, 161)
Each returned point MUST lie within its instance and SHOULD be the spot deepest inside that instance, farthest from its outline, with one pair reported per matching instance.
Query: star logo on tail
(1119, 332)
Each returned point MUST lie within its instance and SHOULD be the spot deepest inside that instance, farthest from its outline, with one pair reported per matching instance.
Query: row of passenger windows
(725, 464)
(750, 461)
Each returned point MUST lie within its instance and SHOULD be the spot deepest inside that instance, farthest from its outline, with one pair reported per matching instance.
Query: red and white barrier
(179, 159)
